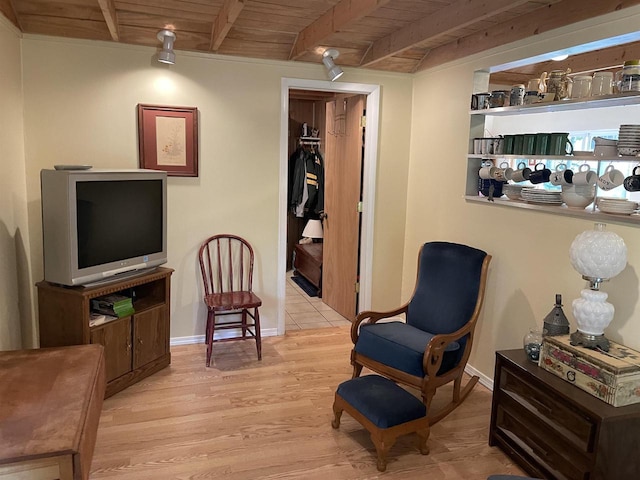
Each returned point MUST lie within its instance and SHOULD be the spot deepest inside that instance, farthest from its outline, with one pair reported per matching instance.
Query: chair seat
(220, 302)
(401, 346)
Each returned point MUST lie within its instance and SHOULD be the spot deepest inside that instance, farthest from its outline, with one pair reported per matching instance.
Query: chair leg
(244, 323)
(256, 314)
(211, 322)
(357, 370)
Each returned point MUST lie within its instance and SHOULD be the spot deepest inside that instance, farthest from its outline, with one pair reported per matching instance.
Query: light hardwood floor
(244, 419)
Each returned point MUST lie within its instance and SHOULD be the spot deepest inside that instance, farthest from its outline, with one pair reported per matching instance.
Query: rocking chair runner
(433, 346)
(226, 264)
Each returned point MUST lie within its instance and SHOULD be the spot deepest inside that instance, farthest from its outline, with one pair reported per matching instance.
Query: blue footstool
(384, 409)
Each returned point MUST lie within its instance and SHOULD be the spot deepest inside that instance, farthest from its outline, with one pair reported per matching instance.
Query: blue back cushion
(447, 287)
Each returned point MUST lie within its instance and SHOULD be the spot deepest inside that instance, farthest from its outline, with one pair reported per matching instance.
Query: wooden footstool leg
(337, 413)
(383, 444)
(423, 436)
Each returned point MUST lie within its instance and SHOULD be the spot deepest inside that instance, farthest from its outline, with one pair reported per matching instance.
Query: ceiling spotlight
(559, 58)
(166, 55)
(334, 72)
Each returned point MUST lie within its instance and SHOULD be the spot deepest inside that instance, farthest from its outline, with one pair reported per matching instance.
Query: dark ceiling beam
(333, 20)
(460, 14)
(226, 18)
(6, 8)
(534, 23)
(109, 12)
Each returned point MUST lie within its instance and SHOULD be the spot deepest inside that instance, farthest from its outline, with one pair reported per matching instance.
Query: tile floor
(303, 312)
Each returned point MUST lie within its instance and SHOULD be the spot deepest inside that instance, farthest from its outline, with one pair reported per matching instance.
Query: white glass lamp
(334, 72)
(598, 255)
(313, 229)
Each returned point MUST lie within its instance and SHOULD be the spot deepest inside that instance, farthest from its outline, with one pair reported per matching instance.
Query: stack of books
(96, 319)
(114, 305)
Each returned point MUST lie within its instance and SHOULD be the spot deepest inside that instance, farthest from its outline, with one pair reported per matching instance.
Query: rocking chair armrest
(373, 317)
(434, 352)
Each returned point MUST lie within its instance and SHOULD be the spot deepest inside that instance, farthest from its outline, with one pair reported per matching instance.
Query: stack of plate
(513, 191)
(617, 206)
(540, 196)
(629, 140)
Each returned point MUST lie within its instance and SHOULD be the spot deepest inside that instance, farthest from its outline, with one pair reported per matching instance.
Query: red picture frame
(168, 139)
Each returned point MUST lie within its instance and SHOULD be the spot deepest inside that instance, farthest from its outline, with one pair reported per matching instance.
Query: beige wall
(15, 280)
(530, 249)
(80, 108)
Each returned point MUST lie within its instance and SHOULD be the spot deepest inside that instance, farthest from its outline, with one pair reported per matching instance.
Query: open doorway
(364, 247)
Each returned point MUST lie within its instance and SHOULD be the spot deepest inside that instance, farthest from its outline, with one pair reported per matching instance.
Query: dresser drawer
(557, 417)
(532, 439)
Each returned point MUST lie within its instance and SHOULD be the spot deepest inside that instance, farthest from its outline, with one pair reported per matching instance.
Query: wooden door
(115, 337)
(150, 331)
(343, 166)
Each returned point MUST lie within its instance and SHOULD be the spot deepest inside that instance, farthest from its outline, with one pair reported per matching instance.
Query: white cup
(611, 178)
(487, 172)
(584, 176)
(581, 86)
(477, 145)
(507, 171)
(521, 174)
(602, 83)
(561, 176)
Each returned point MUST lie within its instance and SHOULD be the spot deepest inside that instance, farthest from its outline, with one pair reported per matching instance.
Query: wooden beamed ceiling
(393, 35)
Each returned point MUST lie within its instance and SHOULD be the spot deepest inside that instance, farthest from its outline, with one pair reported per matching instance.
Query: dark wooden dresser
(308, 263)
(50, 403)
(554, 430)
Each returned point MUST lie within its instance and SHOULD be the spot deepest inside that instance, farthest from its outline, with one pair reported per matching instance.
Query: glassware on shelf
(533, 343)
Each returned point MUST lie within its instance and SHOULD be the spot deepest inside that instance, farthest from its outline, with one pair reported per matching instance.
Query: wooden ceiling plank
(6, 8)
(460, 14)
(335, 19)
(545, 19)
(225, 20)
(159, 22)
(109, 11)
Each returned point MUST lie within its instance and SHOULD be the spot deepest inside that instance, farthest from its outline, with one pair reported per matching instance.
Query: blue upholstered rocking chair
(432, 347)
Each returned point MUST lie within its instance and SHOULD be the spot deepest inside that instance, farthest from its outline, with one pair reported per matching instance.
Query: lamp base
(586, 340)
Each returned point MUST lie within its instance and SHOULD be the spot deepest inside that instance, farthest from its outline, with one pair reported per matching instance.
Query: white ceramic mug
(561, 176)
(521, 174)
(584, 176)
(507, 171)
(487, 172)
(602, 83)
(611, 178)
(477, 146)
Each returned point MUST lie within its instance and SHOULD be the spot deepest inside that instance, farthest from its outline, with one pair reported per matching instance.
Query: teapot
(559, 83)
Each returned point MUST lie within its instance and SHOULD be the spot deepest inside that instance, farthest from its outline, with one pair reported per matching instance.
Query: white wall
(530, 249)
(80, 107)
(15, 280)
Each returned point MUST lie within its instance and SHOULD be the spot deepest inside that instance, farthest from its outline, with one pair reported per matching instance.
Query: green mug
(508, 144)
(517, 144)
(559, 144)
(529, 144)
(542, 143)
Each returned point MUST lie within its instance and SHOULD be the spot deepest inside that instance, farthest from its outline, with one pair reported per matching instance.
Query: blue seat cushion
(383, 402)
(401, 346)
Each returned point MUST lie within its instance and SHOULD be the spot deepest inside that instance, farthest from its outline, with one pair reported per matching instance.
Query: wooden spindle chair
(226, 264)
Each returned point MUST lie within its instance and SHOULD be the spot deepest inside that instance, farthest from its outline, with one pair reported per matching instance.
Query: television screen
(101, 225)
(118, 219)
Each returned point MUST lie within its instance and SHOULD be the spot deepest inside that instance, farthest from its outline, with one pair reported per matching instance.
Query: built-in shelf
(587, 213)
(575, 158)
(617, 100)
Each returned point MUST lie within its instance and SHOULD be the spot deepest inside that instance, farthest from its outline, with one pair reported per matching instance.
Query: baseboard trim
(268, 332)
(484, 380)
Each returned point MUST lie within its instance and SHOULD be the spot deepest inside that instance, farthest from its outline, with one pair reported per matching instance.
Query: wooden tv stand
(135, 346)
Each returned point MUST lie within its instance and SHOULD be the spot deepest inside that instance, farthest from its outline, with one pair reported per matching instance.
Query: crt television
(100, 225)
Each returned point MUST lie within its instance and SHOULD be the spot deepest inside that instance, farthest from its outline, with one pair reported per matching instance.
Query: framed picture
(168, 139)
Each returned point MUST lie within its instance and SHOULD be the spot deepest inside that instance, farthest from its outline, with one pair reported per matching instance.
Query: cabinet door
(116, 338)
(150, 335)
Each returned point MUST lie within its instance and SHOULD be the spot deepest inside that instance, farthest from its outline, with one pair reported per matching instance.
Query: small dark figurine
(556, 323)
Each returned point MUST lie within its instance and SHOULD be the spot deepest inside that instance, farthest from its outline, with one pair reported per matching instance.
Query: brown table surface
(44, 400)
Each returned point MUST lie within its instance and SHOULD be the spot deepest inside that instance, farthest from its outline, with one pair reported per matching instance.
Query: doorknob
(323, 216)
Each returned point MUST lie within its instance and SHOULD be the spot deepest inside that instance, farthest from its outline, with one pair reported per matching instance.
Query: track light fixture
(334, 72)
(166, 55)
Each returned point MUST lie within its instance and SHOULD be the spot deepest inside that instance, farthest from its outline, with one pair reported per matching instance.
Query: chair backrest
(447, 288)
(226, 264)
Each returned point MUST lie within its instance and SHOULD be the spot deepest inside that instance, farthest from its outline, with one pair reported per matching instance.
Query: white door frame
(368, 188)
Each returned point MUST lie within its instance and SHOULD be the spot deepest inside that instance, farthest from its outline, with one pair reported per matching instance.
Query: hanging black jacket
(308, 172)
